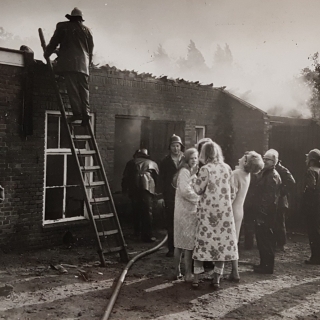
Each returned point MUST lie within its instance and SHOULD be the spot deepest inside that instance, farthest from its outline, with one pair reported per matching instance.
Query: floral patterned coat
(216, 238)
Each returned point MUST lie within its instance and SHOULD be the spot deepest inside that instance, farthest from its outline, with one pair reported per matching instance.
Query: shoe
(262, 270)
(215, 286)
(195, 285)
(232, 278)
(85, 120)
(170, 254)
(74, 118)
(312, 261)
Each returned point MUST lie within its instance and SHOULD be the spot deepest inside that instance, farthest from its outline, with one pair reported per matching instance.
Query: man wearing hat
(168, 168)
(267, 191)
(311, 205)
(74, 57)
(139, 181)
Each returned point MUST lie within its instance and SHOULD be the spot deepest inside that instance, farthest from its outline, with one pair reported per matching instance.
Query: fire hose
(120, 281)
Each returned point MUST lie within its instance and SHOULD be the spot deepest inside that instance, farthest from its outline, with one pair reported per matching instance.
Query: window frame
(65, 152)
(196, 136)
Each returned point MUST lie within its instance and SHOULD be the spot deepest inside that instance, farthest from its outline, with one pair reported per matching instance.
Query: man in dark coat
(267, 192)
(287, 183)
(168, 168)
(74, 57)
(139, 182)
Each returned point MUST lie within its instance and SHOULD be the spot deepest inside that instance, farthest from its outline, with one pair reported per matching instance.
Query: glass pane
(54, 170)
(64, 140)
(74, 202)
(52, 131)
(54, 204)
(72, 171)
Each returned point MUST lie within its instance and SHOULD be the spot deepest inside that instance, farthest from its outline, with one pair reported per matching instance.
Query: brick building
(129, 110)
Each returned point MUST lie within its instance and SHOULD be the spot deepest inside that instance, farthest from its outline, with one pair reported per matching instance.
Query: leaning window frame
(65, 152)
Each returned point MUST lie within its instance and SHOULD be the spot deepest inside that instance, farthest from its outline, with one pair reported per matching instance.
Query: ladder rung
(108, 233)
(111, 250)
(95, 183)
(82, 152)
(89, 168)
(103, 216)
(99, 200)
(80, 137)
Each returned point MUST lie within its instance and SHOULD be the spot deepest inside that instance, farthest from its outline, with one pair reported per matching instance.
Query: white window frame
(65, 152)
(196, 135)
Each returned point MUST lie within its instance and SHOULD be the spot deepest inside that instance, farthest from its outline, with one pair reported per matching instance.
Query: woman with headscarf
(185, 219)
(216, 238)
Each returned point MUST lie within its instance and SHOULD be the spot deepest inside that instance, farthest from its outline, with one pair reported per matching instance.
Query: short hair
(201, 142)
(189, 152)
(254, 162)
(211, 152)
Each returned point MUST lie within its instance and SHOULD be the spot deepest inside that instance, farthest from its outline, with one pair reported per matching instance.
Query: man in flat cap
(74, 57)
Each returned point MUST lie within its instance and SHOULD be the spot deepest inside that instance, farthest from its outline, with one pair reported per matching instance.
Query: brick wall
(112, 92)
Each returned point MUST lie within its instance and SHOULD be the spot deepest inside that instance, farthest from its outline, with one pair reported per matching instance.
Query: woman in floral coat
(216, 238)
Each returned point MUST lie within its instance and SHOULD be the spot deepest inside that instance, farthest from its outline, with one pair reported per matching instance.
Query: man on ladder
(74, 57)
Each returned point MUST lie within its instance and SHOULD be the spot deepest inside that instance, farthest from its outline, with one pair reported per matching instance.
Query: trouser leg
(313, 227)
(169, 223)
(280, 228)
(147, 202)
(249, 229)
(71, 81)
(266, 246)
(136, 212)
(83, 83)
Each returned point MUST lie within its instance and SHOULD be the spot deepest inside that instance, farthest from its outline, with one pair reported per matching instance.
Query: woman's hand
(194, 170)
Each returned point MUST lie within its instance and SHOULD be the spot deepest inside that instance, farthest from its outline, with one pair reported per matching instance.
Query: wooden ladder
(93, 181)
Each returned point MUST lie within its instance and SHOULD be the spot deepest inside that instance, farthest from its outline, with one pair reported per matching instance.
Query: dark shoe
(215, 286)
(74, 118)
(312, 261)
(85, 120)
(262, 270)
(170, 254)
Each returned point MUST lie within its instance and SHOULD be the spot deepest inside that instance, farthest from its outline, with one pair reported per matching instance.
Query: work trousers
(280, 227)
(77, 84)
(266, 246)
(142, 205)
(169, 214)
(313, 227)
(248, 228)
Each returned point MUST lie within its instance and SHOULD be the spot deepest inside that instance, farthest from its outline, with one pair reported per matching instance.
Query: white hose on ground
(116, 291)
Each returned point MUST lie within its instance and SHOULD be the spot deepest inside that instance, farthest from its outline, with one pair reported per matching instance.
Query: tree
(311, 77)
(222, 57)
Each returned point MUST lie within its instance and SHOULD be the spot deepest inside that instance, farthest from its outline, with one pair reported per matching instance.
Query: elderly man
(74, 57)
(267, 192)
(168, 168)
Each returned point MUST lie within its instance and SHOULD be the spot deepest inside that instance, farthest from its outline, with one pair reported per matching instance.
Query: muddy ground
(31, 289)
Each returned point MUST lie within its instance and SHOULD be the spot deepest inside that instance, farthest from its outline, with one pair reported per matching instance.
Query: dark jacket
(266, 196)
(76, 46)
(287, 183)
(140, 173)
(167, 171)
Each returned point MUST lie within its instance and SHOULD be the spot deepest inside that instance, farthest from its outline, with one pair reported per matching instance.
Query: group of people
(205, 200)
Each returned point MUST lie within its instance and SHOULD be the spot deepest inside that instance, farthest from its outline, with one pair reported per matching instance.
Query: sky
(270, 41)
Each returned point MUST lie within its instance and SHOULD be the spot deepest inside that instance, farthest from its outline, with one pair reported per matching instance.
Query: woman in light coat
(185, 220)
(216, 238)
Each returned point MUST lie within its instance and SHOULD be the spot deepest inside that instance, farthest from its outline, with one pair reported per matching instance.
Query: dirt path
(30, 289)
